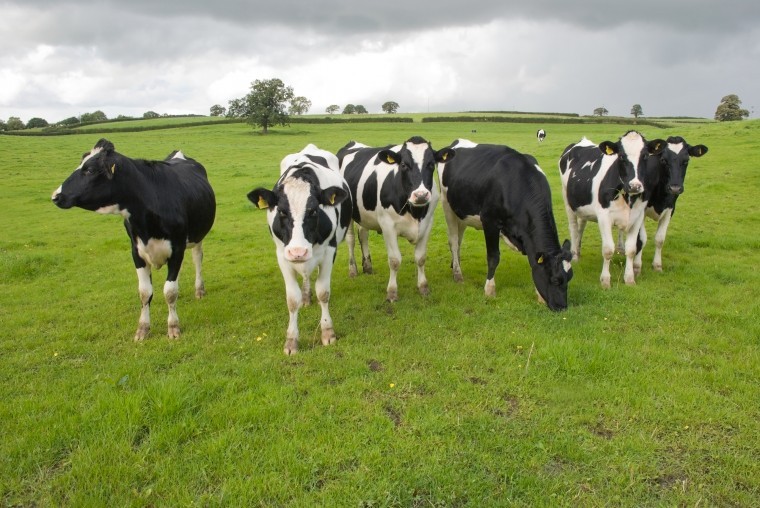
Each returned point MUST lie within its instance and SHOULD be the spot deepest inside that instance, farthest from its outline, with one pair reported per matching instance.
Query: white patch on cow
(179, 155)
(539, 169)
(585, 142)
(56, 192)
(464, 143)
(113, 210)
(298, 192)
(675, 147)
(93, 153)
(633, 144)
(509, 244)
(567, 266)
(473, 221)
(156, 252)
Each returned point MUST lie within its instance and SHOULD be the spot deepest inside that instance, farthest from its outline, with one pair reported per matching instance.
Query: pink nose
(297, 253)
(420, 196)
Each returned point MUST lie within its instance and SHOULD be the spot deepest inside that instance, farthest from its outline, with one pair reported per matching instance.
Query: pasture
(634, 396)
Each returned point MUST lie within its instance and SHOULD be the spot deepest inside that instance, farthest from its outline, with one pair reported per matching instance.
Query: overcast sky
(62, 58)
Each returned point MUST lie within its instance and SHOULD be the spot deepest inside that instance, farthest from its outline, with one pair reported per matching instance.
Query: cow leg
(306, 291)
(640, 243)
(493, 256)
(171, 290)
(351, 241)
(322, 286)
(631, 248)
(575, 233)
(145, 290)
(581, 228)
(455, 233)
(420, 256)
(364, 243)
(394, 262)
(294, 299)
(659, 238)
(200, 289)
(620, 248)
(608, 249)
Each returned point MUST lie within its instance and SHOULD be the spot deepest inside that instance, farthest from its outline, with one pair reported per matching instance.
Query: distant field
(635, 396)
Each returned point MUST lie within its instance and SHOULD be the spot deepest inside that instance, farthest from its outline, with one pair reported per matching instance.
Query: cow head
(674, 161)
(296, 212)
(632, 151)
(416, 162)
(551, 275)
(91, 185)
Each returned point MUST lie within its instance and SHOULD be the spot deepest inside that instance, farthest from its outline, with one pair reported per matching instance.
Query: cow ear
(444, 155)
(697, 151)
(111, 171)
(263, 198)
(388, 156)
(608, 147)
(656, 146)
(106, 145)
(332, 196)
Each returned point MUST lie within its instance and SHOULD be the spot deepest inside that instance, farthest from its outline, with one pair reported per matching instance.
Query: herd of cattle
(169, 206)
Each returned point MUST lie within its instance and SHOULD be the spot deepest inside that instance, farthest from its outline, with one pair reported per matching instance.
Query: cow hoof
(424, 290)
(367, 270)
(605, 283)
(630, 282)
(458, 277)
(657, 268)
(328, 337)
(392, 296)
(200, 292)
(173, 332)
(142, 332)
(352, 271)
(367, 266)
(636, 270)
(291, 347)
(490, 289)
(306, 299)
(576, 257)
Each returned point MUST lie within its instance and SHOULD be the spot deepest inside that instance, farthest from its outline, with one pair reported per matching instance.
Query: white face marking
(179, 155)
(56, 192)
(675, 147)
(567, 266)
(92, 154)
(298, 192)
(156, 252)
(633, 144)
(464, 143)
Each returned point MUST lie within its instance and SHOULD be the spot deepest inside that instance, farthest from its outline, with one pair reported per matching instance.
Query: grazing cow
(665, 178)
(606, 184)
(506, 194)
(541, 135)
(308, 211)
(167, 206)
(394, 194)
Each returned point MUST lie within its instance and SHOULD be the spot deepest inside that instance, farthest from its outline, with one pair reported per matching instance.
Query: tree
(217, 110)
(636, 111)
(151, 114)
(360, 110)
(237, 108)
(3, 126)
(14, 124)
(729, 109)
(332, 109)
(264, 105)
(600, 111)
(299, 105)
(350, 109)
(390, 107)
(72, 120)
(95, 116)
(36, 123)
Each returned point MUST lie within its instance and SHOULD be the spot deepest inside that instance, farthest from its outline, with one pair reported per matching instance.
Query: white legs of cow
(296, 297)
(364, 246)
(171, 294)
(659, 238)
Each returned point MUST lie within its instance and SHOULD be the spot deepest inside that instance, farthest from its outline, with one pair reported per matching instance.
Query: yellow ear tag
(445, 156)
(113, 169)
(332, 199)
(262, 203)
(609, 151)
(390, 159)
(540, 260)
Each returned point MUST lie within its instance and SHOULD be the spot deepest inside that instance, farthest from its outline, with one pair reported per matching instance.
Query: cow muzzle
(60, 199)
(297, 254)
(635, 187)
(419, 198)
(676, 189)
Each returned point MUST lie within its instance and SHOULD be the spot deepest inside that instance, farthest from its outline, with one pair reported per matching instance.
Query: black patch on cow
(316, 159)
(369, 193)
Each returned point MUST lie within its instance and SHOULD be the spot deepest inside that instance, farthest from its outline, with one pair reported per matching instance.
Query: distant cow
(506, 194)
(606, 184)
(167, 206)
(665, 178)
(541, 135)
(308, 212)
(394, 194)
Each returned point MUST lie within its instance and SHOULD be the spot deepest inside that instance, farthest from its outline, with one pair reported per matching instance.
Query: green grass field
(635, 396)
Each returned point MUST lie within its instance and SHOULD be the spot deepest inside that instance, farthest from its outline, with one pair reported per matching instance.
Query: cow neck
(136, 185)
(541, 232)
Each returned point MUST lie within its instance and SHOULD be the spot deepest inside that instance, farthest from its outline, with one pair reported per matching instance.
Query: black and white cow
(167, 206)
(541, 135)
(605, 183)
(394, 194)
(308, 211)
(665, 178)
(506, 194)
